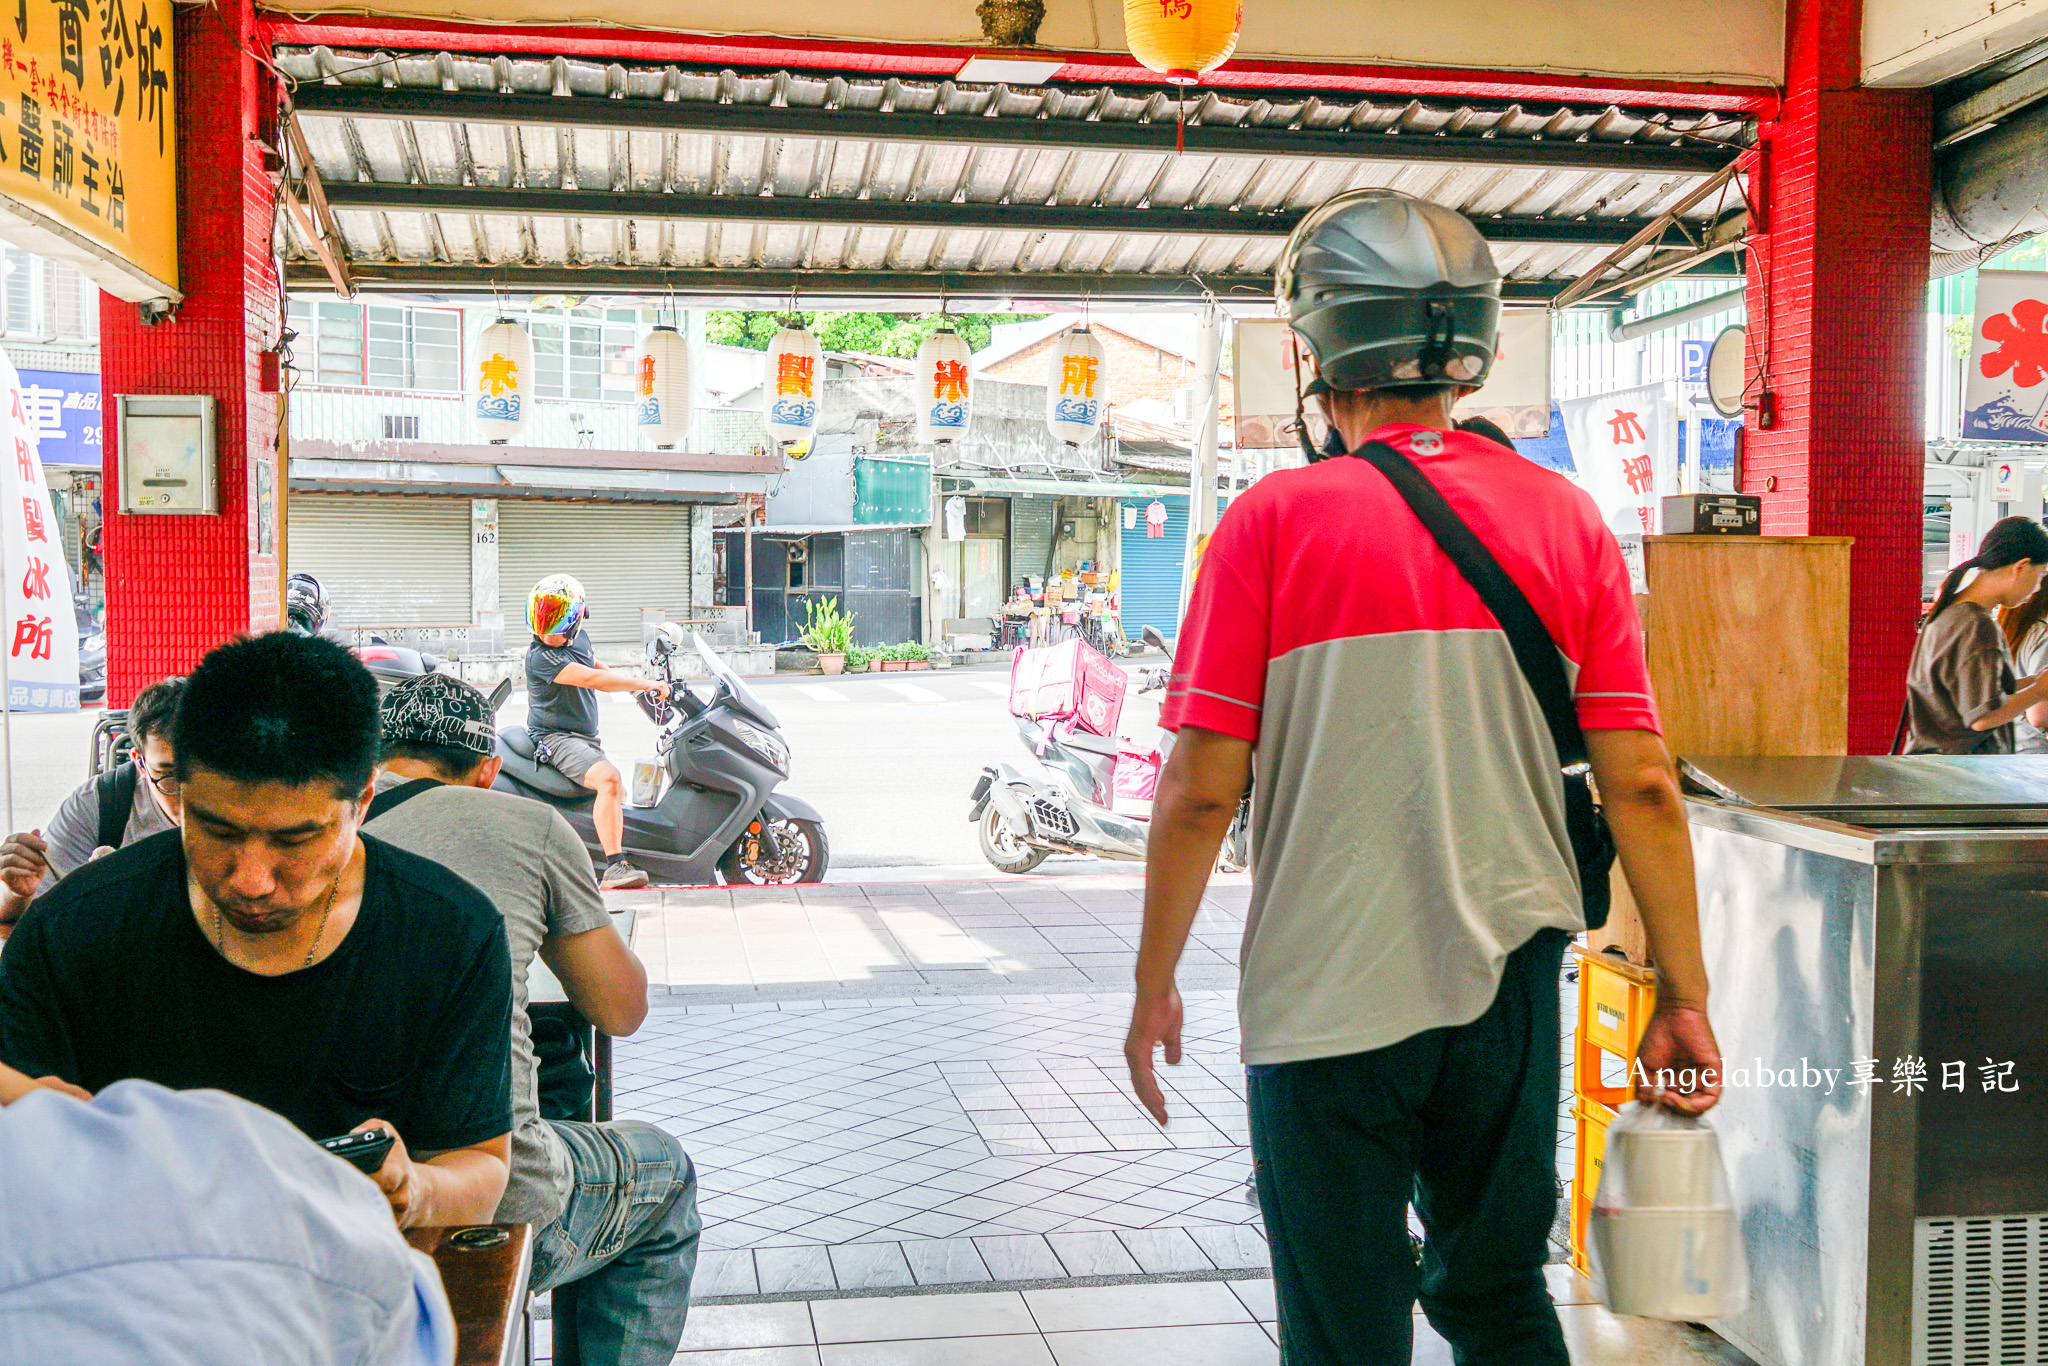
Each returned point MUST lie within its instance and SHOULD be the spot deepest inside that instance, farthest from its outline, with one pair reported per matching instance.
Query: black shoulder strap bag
(117, 801)
(1535, 652)
(395, 796)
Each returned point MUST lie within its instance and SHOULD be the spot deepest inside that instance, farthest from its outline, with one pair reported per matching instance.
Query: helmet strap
(1333, 442)
(1440, 331)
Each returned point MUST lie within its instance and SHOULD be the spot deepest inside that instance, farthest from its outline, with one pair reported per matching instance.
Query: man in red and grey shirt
(1414, 884)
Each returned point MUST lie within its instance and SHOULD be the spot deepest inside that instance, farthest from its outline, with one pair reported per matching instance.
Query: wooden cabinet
(1748, 642)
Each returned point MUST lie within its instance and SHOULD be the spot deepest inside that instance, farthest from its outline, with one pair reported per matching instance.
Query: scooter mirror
(499, 694)
(1155, 640)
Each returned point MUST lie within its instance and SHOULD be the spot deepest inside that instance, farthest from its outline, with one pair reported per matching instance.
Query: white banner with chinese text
(39, 626)
(1624, 446)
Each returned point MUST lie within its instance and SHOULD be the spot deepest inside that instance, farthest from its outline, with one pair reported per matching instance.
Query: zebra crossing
(930, 689)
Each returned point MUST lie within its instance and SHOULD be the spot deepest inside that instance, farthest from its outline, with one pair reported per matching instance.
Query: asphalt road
(888, 758)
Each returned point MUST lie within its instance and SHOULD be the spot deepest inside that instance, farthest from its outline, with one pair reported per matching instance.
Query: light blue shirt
(189, 1228)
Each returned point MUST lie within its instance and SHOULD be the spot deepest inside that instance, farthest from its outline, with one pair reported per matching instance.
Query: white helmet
(667, 639)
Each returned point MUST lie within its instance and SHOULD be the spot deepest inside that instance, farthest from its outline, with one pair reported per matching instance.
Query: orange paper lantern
(1183, 40)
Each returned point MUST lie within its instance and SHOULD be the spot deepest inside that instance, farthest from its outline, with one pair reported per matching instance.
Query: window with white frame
(46, 301)
(585, 357)
(378, 346)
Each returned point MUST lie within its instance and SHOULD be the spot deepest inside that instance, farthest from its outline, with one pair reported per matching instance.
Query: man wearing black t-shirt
(271, 951)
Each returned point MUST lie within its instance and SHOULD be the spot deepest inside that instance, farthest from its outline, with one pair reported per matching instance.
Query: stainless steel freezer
(1891, 912)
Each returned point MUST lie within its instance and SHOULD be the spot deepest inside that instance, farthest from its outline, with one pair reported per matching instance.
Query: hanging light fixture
(1076, 388)
(504, 369)
(1182, 40)
(944, 387)
(790, 376)
(662, 387)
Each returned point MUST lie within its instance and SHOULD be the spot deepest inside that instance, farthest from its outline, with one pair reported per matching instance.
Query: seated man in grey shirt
(125, 804)
(614, 1206)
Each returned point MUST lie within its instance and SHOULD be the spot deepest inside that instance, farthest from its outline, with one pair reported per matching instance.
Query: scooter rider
(563, 677)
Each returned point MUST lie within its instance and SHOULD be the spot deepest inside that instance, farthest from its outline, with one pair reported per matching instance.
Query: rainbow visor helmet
(556, 606)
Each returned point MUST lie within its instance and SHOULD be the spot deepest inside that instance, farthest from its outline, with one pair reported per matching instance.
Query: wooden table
(486, 1288)
(544, 988)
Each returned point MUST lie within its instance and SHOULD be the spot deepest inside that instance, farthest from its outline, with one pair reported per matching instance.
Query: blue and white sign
(64, 410)
(1692, 362)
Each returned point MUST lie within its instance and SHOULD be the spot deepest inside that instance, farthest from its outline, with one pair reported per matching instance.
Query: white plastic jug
(1664, 1236)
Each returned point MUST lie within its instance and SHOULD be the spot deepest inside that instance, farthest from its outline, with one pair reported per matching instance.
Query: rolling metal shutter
(1149, 582)
(383, 561)
(627, 558)
(1031, 531)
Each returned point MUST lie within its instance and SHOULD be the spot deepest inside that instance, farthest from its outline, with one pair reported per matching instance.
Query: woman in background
(1962, 692)
(2026, 634)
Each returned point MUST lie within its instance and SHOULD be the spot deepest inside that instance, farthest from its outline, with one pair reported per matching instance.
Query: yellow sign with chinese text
(88, 139)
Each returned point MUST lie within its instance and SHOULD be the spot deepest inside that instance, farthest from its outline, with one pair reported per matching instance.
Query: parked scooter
(1022, 820)
(722, 760)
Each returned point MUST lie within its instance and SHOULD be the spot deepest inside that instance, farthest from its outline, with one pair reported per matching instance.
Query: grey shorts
(572, 756)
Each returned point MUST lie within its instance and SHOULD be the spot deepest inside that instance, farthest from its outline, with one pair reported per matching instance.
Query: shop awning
(1059, 488)
(443, 173)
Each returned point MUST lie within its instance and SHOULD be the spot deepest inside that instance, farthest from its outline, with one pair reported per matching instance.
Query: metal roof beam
(773, 288)
(746, 120)
(656, 206)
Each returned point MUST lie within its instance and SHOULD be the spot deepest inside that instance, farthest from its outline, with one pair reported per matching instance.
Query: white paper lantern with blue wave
(661, 388)
(792, 377)
(504, 381)
(944, 382)
(1076, 388)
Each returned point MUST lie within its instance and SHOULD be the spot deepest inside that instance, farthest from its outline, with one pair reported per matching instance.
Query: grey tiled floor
(1189, 1324)
(980, 1138)
(888, 939)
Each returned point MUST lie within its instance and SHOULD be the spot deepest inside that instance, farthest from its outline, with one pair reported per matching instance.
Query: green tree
(877, 334)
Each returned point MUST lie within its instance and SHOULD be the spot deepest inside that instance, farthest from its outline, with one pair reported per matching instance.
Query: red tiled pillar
(1837, 285)
(178, 585)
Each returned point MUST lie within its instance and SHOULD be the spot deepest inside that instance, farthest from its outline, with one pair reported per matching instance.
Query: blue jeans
(625, 1246)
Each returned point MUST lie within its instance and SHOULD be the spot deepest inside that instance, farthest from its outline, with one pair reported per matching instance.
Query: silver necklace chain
(326, 909)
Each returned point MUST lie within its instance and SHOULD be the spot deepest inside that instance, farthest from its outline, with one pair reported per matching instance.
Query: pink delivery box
(1071, 681)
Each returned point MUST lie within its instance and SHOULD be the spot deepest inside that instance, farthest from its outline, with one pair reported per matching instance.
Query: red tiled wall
(176, 586)
(1842, 275)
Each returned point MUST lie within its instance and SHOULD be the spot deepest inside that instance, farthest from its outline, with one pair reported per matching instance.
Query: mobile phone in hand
(364, 1151)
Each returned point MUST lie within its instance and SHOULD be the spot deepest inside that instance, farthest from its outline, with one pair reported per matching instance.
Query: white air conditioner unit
(1184, 405)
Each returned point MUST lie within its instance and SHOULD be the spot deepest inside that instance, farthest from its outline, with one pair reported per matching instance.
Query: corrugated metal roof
(462, 172)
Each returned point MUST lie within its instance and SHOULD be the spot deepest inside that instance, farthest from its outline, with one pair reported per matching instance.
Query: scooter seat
(523, 770)
(1090, 744)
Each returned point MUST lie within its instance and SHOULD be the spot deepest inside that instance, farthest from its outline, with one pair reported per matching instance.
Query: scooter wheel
(804, 856)
(1001, 847)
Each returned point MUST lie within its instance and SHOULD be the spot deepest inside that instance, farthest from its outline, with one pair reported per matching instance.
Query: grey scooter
(723, 759)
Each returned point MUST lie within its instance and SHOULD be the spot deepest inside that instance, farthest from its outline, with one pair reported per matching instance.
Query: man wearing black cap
(614, 1206)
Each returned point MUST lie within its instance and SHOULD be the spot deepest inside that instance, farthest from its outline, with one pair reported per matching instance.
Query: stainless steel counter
(1882, 910)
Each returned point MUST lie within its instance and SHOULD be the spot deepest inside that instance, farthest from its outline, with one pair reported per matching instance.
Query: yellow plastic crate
(1615, 1001)
(1593, 1119)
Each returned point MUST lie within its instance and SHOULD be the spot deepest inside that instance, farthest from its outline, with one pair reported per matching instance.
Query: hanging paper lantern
(789, 387)
(662, 386)
(504, 369)
(1183, 40)
(1076, 388)
(944, 388)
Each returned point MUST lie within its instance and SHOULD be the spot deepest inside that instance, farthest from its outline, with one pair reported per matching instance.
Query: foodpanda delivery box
(1070, 681)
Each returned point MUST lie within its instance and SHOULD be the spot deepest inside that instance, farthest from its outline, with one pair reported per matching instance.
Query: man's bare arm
(604, 680)
(1639, 793)
(1204, 780)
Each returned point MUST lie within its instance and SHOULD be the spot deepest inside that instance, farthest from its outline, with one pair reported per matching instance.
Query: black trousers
(1463, 1123)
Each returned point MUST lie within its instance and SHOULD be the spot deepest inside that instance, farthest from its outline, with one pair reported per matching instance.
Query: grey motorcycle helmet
(1390, 291)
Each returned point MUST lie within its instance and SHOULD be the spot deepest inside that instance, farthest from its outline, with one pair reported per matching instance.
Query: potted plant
(908, 655)
(859, 659)
(828, 633)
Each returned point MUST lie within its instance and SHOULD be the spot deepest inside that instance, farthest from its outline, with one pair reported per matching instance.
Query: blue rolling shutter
(1150, 569)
